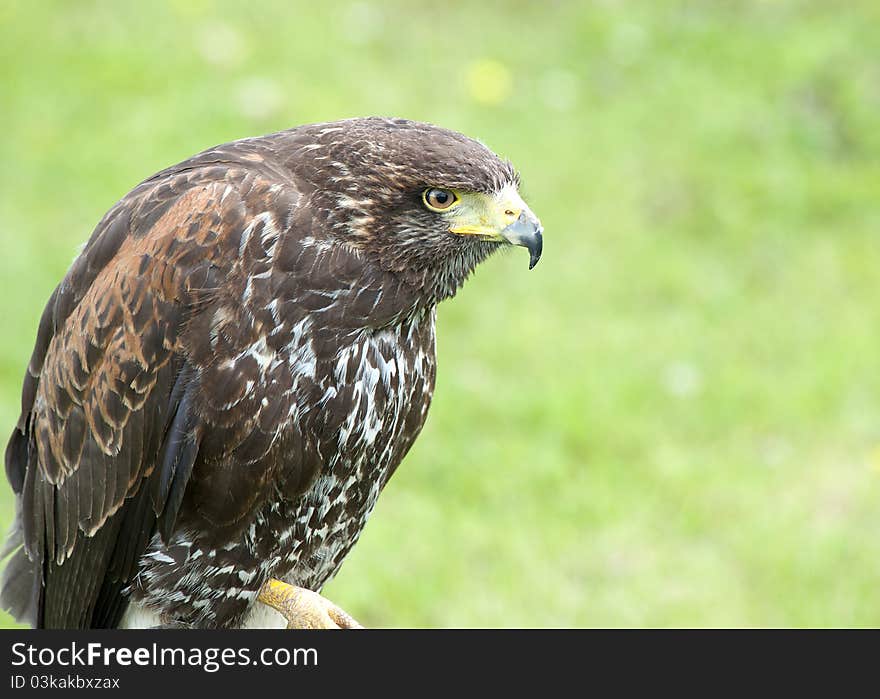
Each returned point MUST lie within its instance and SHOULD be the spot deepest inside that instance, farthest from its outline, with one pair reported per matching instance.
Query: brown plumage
(232, 369)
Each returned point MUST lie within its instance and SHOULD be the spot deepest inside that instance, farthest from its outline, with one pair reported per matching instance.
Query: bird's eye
(439, 199)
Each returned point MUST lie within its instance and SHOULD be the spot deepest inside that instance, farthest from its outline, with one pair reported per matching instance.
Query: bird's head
(421, 201)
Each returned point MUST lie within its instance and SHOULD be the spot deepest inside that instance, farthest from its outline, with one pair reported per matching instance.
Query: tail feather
(20, 585)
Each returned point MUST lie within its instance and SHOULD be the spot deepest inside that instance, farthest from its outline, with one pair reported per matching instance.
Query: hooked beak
(502, 217)
(527, 232)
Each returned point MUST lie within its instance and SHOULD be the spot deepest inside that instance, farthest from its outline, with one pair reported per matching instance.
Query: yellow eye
(439, 199)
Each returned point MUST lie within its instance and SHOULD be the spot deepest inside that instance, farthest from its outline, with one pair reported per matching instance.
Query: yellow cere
(485, 215)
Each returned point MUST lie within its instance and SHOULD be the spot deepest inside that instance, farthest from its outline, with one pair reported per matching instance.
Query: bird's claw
(303, 608)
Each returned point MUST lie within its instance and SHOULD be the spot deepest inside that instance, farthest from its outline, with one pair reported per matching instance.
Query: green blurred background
(674, 419)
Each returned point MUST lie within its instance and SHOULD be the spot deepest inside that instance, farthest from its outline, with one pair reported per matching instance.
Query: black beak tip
(535, 247)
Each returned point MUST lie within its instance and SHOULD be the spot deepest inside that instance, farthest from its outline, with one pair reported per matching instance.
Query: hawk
(233, 368)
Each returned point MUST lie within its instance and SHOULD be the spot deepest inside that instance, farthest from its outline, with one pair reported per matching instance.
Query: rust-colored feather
(99, 399)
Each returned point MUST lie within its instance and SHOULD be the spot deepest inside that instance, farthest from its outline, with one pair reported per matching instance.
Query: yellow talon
(303, 608)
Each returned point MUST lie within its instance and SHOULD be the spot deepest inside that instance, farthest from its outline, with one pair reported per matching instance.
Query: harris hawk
(234, 366)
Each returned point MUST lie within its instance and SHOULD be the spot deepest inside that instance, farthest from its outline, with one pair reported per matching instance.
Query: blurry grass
(674, 419)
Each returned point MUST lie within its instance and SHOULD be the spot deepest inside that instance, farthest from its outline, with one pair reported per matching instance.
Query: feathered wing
(111, 421)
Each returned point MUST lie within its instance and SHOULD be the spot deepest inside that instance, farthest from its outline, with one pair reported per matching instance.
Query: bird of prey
(233, 368)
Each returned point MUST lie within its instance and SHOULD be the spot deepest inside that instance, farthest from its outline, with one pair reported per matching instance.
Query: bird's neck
(433, 280)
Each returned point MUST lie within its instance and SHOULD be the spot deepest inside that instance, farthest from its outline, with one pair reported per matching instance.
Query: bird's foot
(303, 608)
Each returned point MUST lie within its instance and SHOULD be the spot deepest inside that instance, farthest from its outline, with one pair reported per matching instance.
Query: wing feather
(178, 455)
(111, 427)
